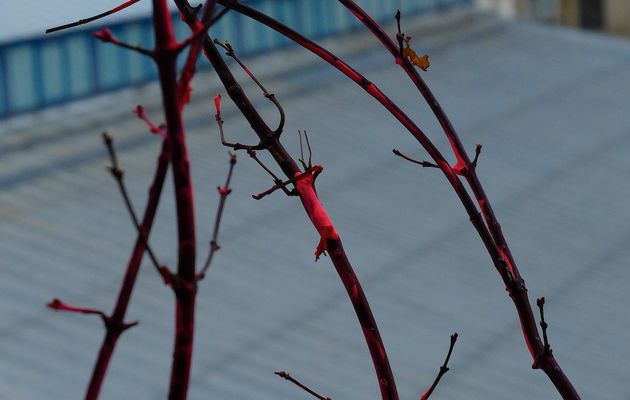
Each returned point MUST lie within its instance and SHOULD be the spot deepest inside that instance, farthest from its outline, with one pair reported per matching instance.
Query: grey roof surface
(551, 109)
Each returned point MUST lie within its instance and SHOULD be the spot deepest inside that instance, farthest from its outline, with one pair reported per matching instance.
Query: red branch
(94, 18)
(498, 251)
(333, 244)
(128, 283)
(516, 288)
(185, 284)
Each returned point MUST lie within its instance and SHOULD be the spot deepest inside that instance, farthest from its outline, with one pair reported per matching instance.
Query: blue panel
(107, 60)
(4, 106)
(21, 85)
(43, 71)
(80, 65)
(51, 57)
(135, 67)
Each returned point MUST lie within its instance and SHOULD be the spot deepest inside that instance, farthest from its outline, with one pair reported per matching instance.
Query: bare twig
(425, 164)
(223, 193)
(118, 175)
(543, 324)
(235, 146)
(477, 153)
(443, 368)
(59, 305)
(106, 35)
(94, 18)
(126, 288)
(490, 234)
(329, 239)
(285, 375)
(229, 51)
(159, 130)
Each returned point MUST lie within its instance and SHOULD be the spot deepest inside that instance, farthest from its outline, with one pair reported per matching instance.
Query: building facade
(41, 71)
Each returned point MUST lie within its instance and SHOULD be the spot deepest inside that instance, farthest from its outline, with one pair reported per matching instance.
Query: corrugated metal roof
(550, 107)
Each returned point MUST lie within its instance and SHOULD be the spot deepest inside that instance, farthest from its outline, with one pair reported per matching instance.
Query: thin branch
(497, 245)
(399, 35)
(141, 114)
(223, 193)
(425, 164)
(195, 41)
(106, 35)
(443, 368)
(235, 146)
(126, 288)
(310, 152)
(118, 175)
(477, 153)
(488, 233)
(59, 305)
(229, 51)
(251, 150)
(94, 18)
(285, 375)
(329, 238)
(543, 324)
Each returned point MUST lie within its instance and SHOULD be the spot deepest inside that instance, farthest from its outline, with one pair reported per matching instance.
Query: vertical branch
(184, 283)
(133, 266)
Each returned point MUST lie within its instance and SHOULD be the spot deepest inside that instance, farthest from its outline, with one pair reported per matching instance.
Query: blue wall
(62, 67)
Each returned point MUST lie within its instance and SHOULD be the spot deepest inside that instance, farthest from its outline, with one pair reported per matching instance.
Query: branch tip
(543, 324)
(288, 377)
(224, 192)
(477, 153)
(443, 368)
(423, 163)
(93, 18)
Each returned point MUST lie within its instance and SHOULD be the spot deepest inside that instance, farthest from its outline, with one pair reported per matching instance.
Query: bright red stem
(128, 283)
(463, 166)
(333, 245)
(184, 286)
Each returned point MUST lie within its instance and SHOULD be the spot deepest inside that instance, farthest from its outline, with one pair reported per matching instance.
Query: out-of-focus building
(37, 71)
(606, 15)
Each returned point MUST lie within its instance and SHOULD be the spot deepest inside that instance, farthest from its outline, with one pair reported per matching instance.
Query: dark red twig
(423, 163)
(185, 284)
(490, 234)
(543, 324)
(105, 35)
(133, 266)
(224, 192)
(229, 51)
(505, 263)
(443, 368)
(59, 305)
(330, 240)
(288, 377)
(94, 18)
(158, 130)
(118, 175)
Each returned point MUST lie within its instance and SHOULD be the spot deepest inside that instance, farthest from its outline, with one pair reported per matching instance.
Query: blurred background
(544, 85)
